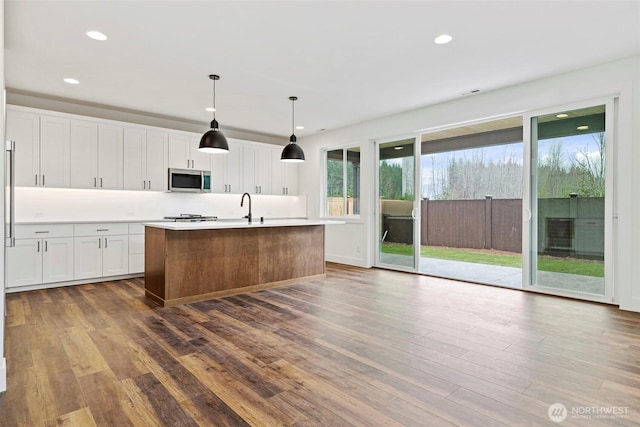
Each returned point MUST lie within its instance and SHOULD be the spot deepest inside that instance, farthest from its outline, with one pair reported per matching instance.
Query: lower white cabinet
(136, 248)
(39, 256)
(101, 250)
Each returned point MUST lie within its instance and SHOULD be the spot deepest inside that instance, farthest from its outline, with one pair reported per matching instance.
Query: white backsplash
(61, 204)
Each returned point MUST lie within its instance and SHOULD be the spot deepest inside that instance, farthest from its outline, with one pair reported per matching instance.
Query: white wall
(619, 78)
(62, 204)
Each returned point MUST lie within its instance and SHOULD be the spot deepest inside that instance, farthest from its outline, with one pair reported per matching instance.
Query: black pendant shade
(292, 152)
(214, 141)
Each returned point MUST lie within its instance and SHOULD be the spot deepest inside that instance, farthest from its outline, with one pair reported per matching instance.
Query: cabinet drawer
(104, 229)
(43, 231)
(136, 228)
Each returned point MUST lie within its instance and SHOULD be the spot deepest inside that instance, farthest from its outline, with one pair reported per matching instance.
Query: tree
(588, 166)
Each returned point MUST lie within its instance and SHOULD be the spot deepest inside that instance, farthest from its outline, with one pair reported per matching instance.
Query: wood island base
(183, 266)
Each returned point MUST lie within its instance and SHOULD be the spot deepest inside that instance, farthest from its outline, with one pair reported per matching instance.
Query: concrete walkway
(497, 275)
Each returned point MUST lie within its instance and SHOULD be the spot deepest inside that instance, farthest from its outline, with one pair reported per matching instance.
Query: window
(343, 182)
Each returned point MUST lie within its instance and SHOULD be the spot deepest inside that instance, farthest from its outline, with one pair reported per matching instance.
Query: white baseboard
(3, 375)
(356, 262)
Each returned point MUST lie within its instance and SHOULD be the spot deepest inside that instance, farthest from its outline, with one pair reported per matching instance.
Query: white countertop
(213, 225)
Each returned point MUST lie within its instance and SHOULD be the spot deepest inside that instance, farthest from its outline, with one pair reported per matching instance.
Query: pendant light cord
(293, 120)
(214, 99)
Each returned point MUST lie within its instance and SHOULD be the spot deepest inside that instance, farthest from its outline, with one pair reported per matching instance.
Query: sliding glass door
(396, 204)
(570, 202)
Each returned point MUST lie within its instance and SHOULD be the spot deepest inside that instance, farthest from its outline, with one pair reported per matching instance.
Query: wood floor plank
(360, 347)
(80, 418)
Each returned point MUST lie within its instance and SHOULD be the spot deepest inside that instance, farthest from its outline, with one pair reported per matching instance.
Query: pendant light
(214, 141)
(292, 152)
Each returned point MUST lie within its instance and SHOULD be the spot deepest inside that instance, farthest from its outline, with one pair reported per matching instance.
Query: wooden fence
(478, 224)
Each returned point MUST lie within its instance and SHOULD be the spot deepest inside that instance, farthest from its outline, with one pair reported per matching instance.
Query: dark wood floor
(363, 347)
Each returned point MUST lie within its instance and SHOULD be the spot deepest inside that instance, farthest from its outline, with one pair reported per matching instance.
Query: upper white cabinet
(145, 159)
(84, 154)
(24, 129)
(184, 154)
(256, 168)
(284, 175)
(54, 151)
(42, 149)
(110, 157)
(226, 169)
(96, 155)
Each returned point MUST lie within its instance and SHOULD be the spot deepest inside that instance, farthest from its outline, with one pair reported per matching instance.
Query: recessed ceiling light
(210, 109)
(399, 147)
(443, 39)
(299, 127)
(71, 81)
(583, 127)
(562, 115)
(96, 35)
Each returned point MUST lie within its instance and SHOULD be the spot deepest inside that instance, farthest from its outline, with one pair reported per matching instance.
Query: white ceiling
(347, 61)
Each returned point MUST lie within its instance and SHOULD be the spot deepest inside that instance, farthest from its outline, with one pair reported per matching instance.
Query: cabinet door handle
(99, 243)
(192, 166)
(187, 164)
(95, 182)
(36, 179)
(106, 244)
(102, 229)
(43, 180)
(144, 185)
(100, 182)
(229, 188)
(149, 184)
(42, 232)
(45, 246)
(38, 246)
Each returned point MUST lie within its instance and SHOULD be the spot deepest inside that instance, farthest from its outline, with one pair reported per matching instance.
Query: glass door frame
(416, 203)
(530, 227)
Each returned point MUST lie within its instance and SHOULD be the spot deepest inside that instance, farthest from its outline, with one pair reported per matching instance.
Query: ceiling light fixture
(210, 109)
(96, 35)
(299, 127)
(214, 141)
(583, 127)
(399, 147)
(562, 115)
(443, 39)
(292, 151)
(71, 81)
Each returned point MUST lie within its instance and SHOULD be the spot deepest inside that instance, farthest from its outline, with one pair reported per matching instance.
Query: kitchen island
(193, 261)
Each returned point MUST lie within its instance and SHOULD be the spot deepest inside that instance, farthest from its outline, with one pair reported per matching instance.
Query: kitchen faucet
(241, 204)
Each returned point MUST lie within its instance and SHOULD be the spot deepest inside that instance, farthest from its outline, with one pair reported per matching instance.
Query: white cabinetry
(24, 129)
(84, 154)
(145, 160)
(101, 250)
(256, 168)
(110, 157)
(96, 155)
(226, 169)
(136, 248)
(284, 175)
(42, 254)
(42, 147)
(184, 154)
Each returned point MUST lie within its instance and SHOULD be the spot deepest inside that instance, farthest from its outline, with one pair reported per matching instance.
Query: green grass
(545, 263)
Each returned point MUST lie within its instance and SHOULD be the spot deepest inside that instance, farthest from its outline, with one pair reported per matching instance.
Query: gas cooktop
(191, 218)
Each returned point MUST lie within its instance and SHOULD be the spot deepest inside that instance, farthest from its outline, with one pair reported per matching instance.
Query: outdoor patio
(497, 275)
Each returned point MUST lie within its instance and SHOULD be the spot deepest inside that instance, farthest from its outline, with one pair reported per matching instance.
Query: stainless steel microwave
(189, 181)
